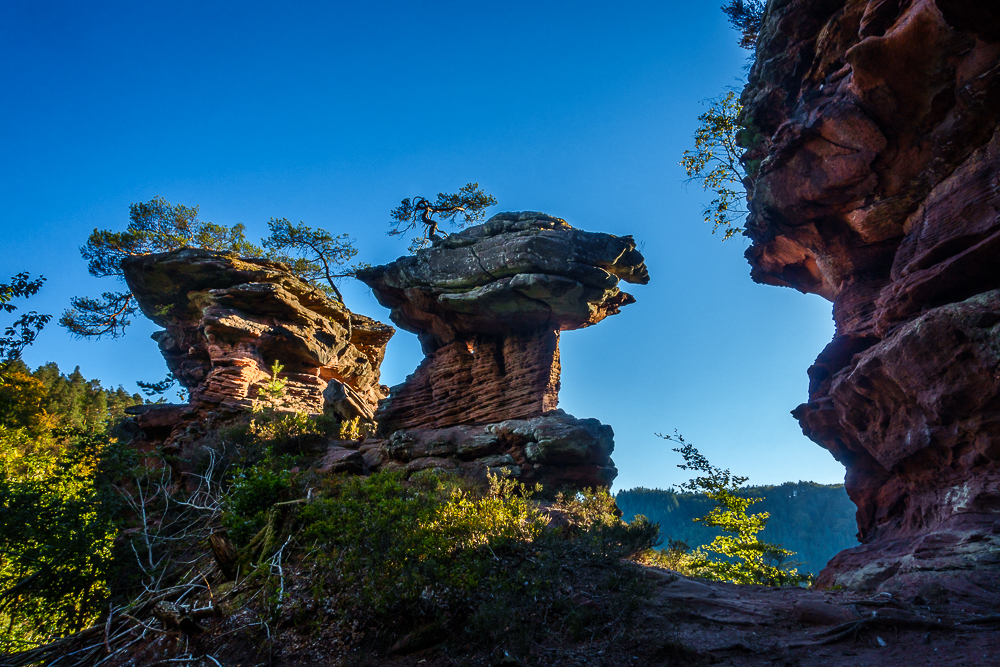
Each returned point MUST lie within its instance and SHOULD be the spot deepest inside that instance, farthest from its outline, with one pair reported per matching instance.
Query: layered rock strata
(488, 304)
(228, 319)
(874, 176)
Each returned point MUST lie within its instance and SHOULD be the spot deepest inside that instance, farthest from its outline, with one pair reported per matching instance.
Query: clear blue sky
(331, 112)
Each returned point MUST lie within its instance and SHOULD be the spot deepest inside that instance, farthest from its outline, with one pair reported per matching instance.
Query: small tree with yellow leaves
(747, 560)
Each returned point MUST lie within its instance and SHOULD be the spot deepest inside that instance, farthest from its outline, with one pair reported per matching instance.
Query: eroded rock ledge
(228, 319)
(488, 304)
(875, 179)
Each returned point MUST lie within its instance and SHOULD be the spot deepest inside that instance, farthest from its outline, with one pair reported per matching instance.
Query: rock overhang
(517, 272)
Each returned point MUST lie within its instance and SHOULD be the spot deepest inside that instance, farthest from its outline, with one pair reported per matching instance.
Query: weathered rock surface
(488, 304)
(228, 319)
(555, 449)
(875, 182)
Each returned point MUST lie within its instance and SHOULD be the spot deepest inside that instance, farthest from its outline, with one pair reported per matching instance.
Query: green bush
(448, 555)
(252, 494)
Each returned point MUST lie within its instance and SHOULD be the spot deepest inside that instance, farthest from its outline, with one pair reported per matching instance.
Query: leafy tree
(21, 401)
(58, 518)
(746, 559)
(816, 521)
(715, 162)
(469, 204)
(23, 331)
(746, 16)
(314, 255)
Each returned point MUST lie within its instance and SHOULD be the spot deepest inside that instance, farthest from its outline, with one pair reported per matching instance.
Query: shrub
(448, 555)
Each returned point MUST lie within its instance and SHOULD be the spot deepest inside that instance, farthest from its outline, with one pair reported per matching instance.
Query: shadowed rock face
(227, 319)
(875, 180)
(488, 304)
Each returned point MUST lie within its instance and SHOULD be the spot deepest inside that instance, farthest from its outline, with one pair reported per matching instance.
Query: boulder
(555, 450)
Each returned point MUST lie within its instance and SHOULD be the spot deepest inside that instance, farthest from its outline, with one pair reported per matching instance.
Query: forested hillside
(813, 520)
(47, 397)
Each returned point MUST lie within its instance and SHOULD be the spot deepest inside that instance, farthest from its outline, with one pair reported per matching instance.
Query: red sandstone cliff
(874, 157)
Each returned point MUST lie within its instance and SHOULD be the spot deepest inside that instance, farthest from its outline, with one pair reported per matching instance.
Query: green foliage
(715, 163)
(159, 226)
(816, 521)
(394, 545)
(384, 555)
(677, 557)
(46, 398)
(746, 16)
(59, 514)
(469, 204)
(154, 226)
(271, 393)
(21, 398)
(22, 332)
(253, 492)
(157, 388)
(314, 255)
(593, 520)
(746, 559)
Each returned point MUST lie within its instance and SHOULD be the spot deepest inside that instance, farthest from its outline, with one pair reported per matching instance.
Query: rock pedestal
(874, 173)
(488, 304)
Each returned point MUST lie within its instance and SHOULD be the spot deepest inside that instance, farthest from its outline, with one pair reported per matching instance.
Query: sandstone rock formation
(873, 173)
(227, 320)
(488, 304)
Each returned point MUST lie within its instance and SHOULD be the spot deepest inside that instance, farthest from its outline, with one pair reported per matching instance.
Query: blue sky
(330, 113)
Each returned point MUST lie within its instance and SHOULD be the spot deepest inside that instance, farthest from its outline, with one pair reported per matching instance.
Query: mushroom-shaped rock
(488, 304)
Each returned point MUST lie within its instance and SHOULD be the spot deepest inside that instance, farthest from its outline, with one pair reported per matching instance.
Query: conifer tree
(159, 226)
(469, 205)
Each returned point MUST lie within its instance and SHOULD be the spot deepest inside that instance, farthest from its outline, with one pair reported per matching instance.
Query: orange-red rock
(488, 304)
(227, 319)
(874, 160)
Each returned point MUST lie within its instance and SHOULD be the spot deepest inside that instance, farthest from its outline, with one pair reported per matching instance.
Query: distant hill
(813, 520)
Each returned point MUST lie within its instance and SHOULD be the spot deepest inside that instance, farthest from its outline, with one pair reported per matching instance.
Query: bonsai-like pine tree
(314, 255)
(154, 226)
(469, 205)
